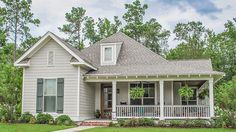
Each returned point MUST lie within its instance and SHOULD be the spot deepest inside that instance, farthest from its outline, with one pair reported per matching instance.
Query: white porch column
(211, 97)
(114, 100)
(161, 83)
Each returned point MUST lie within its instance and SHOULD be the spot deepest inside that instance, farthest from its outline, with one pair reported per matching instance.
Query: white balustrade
(170, 111)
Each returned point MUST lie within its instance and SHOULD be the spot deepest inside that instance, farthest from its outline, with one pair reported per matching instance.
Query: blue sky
(213, 13)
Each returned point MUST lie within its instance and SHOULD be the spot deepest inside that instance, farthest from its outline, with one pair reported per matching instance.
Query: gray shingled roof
(136, 59)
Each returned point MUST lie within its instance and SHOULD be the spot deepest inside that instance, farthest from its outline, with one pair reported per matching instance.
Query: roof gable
(47, 37)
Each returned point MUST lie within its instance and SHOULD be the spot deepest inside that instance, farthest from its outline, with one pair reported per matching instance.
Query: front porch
(161, 99)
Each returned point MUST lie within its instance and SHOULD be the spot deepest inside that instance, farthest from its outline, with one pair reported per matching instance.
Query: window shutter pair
(60, 95)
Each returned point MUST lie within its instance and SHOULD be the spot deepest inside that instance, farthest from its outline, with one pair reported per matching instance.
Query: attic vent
(50, 58)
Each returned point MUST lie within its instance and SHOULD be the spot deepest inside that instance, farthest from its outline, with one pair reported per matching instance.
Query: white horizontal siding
(87, 98)
(61, 69)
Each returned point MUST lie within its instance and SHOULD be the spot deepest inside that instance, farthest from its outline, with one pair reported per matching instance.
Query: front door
(106, 100)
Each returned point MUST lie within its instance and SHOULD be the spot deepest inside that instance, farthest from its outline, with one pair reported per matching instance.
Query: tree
(2, 30)
(222, 50)
(156, 38)
(193, 37)
(149, 33)
(10, 85)
(74, 27)
(95, 31)
(134, 19)
(18, 18)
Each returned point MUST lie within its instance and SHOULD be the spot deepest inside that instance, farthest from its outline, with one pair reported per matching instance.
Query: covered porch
(161, 99)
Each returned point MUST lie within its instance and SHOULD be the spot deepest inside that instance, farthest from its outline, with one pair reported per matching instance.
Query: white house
(59, 79)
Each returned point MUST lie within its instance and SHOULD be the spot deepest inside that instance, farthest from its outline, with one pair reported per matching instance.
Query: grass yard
(110, 129)
(30, 127)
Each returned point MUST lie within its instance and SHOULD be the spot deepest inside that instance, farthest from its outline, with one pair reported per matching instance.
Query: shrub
(111, 124)
(133, 122)
(32, 120)
(25, 118)
(121, 122)
(146, 122)
(225, 118)
(184, 123)
(44, 118)
(63, 120)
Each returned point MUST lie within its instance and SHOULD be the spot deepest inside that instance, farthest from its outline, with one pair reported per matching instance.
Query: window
(50, 58)
(108, 54)
(149, 94)
(192, 100)
(50, 95)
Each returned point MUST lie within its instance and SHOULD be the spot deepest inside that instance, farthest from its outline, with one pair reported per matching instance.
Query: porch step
(95, 123)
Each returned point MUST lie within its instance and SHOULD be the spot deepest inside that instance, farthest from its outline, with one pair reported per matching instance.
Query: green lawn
(30, 127)
(110, 129)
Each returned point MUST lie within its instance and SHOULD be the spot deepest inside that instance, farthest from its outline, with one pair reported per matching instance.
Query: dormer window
(109, 53)
(50, 58)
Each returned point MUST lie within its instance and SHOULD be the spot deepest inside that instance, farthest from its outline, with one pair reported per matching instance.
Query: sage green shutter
(60, 95)
(39, 102)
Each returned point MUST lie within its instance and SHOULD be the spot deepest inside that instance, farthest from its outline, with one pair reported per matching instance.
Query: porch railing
(190, 111)
(170, 111)
(130, 111)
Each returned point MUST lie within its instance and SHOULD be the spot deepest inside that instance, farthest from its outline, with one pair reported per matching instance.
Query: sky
(212, 13)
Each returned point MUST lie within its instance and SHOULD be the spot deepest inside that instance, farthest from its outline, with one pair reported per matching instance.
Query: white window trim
(53, 58)
(44, 95)
(113, 58)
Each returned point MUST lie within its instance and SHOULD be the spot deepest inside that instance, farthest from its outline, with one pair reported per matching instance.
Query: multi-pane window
(149, 94)
(50, 58)
(50, 94)
(192, 100)
(107, 98)
(108, 54)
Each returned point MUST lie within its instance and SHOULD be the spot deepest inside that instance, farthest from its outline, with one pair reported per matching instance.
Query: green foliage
(136, 92)
(95, 31)
(63, 120)
(193, 37)
(146, 122)
(224, 118)
(203, 94)
(19, 18)
(32, 120)
(150, 33)
(26, 117)
(186, 92)
(75, 19)
(97, 113)
(134, 122)
(225, 96)
(222, 50)
(185, 123)
(121, 122)
(44, 118)
(10, 84)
